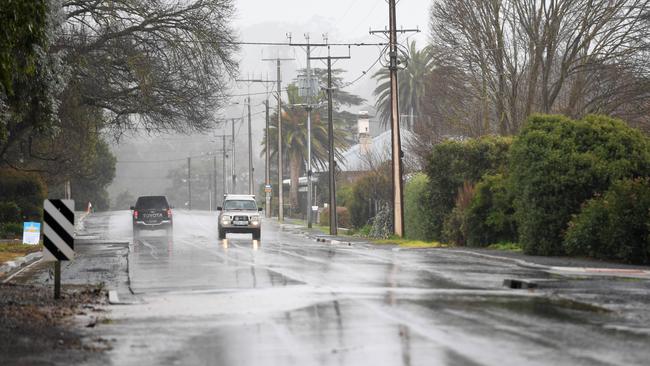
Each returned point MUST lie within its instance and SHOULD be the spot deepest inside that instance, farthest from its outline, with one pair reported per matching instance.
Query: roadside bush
(557, 163)
(25, 190)
(9, 212)
(364, 231)
(614, 225)
(369, 193)
(11, 230)
(490, 215)
(342, 216)
(455, 225)
(415, 213)
(451, 164)
(344, 195)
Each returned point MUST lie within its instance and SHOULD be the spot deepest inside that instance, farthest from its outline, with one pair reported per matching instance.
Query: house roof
(355, 159)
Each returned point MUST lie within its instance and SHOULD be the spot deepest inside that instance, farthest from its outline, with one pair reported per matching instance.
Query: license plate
(240, 223)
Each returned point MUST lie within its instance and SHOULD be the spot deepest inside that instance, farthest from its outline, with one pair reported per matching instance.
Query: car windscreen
(152, 203)
(240, 205)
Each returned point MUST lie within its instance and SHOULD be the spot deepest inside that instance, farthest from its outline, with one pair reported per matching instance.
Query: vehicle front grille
(240, 218)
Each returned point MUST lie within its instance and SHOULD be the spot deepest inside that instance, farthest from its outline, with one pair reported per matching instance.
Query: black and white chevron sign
(58, 230)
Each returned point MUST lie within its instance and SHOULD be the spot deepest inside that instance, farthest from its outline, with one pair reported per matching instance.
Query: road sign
(58, 230)
(267, 188)
(31, 233)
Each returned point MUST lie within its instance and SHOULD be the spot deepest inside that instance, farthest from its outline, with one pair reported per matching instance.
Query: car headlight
(225, 219)
(255, 219)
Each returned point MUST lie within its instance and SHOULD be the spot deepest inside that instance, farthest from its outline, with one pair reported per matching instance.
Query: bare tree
(149, 64)
(524, 56)
(112, 66)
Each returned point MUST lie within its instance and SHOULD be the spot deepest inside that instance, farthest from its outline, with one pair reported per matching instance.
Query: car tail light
(135, 214)
(169, 212)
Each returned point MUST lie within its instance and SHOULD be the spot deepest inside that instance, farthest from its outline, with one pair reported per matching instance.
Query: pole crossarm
(403, 31)
(256, 80)
(330, 58)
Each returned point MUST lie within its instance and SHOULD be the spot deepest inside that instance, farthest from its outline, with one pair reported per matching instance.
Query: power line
(246, 43)
(162, 160)
(364, 73)
(247, 94)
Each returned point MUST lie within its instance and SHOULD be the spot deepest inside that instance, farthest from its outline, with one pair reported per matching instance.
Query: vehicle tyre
(222, 234)
(257, 234)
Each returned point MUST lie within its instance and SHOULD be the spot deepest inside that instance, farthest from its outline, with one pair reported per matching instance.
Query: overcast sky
(342, 20)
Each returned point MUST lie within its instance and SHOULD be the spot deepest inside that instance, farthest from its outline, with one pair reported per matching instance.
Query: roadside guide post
(58, 236)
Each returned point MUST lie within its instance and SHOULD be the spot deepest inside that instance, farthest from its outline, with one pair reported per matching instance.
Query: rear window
(152, 203)
(239, 205)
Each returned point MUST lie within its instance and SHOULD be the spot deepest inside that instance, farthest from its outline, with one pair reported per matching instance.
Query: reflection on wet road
(288, 300)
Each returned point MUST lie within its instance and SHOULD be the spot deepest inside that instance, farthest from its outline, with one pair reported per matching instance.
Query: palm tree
(294, 135)
(412, 82)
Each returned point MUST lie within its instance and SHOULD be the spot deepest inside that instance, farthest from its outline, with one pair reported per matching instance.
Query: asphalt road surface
(289, 300)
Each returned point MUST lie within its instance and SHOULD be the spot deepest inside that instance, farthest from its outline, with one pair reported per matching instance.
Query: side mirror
(132, 208)
(259, 209)
(219, 208)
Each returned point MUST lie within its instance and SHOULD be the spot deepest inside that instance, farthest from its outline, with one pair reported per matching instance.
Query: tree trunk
(294, 170)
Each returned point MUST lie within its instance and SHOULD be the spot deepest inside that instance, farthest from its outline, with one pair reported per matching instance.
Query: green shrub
(364, 231)
(9, 211)
(368, 194)
(490, 216)
(342, 216)
(558, 163)
(614, 225)
(455, 225)
(454, 162)
(415, 212)
(344, 195)
(26, 190)
(11, 230)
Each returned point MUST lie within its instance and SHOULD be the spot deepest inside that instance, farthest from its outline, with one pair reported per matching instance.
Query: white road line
(21, 271)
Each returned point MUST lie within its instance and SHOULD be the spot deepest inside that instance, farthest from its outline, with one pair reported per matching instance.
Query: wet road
(289, 300)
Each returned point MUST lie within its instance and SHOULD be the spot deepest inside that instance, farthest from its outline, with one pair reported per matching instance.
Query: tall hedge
(490, 217)
(451, 164)
(614, 225)
(557, 163)
(415, 225)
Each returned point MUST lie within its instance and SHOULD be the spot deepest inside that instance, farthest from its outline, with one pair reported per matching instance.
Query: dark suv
(152, 213)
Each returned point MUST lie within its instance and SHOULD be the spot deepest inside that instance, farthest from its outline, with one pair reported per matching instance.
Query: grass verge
(407, 243)
(325, 229)
(12, 251)
(510, 247)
